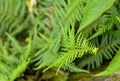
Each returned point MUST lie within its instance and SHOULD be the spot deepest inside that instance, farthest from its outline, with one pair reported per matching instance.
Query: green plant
(15, 63)
(62, 35)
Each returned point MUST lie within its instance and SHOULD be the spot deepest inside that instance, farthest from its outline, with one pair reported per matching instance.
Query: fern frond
(12, 16)
(13, 64)
(49, 43)
(69, 13)
(48, 50)
(107, 48)
(73, 68)
(63, 45)
(112, 67)
(103, 28)
(72, 47)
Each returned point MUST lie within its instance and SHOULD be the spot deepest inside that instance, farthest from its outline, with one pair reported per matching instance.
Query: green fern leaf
(23, 65)
(108, 46)
(73, 4)
(15, 43)
(12, 14)
(73, 47)
(68, 13)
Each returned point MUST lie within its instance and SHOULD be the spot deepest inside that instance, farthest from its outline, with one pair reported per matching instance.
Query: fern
(91, 13)
(106, 50)
(100, 33)
(49, 49)
(14, 64)
(69, 13)
(113, 66)
(13, 11)
(62, 34)
(72, 48)
(73, 45)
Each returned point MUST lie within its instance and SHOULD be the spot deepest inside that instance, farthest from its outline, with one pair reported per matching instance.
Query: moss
(81, 76)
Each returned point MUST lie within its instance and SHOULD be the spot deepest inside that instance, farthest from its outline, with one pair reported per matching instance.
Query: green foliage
(113, 66)
(72, 47)
(108, 46)
(13, 11)
(62, 35)
(92, 12)
(10, 63)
